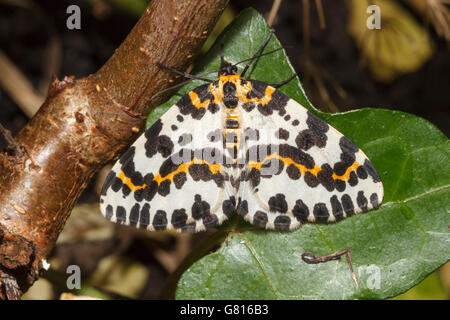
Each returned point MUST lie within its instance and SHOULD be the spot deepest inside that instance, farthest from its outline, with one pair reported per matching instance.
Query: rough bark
(83, 124)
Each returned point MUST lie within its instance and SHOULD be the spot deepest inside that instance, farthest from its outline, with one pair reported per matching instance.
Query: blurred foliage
(86, 224)
(224, 20)
(429, 289)
(70, 296)
(40, 290)
(120, 275)
(401, 46)
(133, 7)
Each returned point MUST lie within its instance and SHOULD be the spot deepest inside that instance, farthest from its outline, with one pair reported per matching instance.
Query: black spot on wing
(316, 125)
(164, 188)
(282, 134)
(144, 219)
(347, 146)
(361, 200)
(278, 203)
(229, 206)
(121, 215)
(340, 168)
(179, 218)
(109, 212)
(203, 172)
(134, 215)
(139, 195)
(116, 185)
(128, 155)
(254, 176)
(151, 134)
(258, 90)
(347, 204)
(179, 179)
(340, 185)
(125, 190)
(362, 173)
(160, 220)
(260, 219)
(108, 182)
(200, 208)
(301, 211)
(164, 146)
(374, 200)
(277, 102)
(249, 106)
(353, 179)
(297, 155)
(210, 220)
(311, 180)
(307, 139)
(127, 161)
(242, 208)
(293, 172)
(190, 227)
(348, 158)
(371, 171)
(167, 167)
(187, 108)
(325, 177)
(315, 135)
(336, 207)
(213, 108)
(320, 212)
(282, 223)
(136, 178)
(151, 187)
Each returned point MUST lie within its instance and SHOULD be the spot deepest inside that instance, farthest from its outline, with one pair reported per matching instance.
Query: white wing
(311, 172)
(172, 177)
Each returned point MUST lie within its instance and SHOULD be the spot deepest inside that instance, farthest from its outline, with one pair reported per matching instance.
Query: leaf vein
(260, 265)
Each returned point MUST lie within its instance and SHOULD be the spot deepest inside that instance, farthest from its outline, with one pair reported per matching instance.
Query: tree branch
(83, 124)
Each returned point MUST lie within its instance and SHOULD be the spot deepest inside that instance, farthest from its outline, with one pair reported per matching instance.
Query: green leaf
(393, 248)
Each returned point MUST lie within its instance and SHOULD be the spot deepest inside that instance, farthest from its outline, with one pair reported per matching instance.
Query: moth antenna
(178, 85)
(261, 55)
(184, 74)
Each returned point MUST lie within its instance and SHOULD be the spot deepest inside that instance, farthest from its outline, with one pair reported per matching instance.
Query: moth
(238, 145)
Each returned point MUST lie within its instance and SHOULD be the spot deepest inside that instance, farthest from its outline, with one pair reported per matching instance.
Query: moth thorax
(230, 100)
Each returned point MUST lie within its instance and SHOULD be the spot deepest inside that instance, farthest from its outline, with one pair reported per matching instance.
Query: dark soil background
(25, 33)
